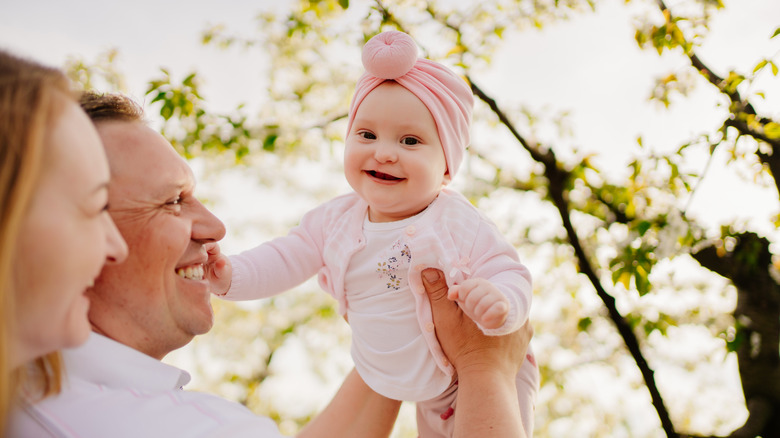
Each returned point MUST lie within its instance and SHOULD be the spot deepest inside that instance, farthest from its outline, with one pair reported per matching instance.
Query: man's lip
(192, 262)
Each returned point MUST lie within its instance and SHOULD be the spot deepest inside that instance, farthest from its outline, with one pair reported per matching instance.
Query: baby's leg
(435, 417)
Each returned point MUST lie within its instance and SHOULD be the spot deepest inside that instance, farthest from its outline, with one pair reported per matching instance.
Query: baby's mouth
(382, 176)
(192, 272)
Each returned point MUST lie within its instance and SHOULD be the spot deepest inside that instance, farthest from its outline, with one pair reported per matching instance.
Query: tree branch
(740, 107)
(558, 178)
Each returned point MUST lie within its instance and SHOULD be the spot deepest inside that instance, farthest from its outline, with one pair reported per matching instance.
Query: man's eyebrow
(170, 189)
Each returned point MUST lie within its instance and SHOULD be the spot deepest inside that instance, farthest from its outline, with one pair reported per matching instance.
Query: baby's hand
(218, 270)
(481, 301)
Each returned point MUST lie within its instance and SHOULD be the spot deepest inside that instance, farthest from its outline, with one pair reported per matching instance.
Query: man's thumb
(435, 285)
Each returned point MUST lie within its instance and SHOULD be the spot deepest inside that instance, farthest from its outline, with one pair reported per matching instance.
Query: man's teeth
(191, 272)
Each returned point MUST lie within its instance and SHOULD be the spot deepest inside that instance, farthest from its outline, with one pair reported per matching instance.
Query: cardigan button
(410, 230)
(429, 327)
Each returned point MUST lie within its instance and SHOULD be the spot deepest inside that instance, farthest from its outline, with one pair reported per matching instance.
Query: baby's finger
(212, 248)
(495, 315)
(454, 293)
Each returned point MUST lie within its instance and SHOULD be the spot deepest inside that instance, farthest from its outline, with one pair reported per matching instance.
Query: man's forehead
(142, 158)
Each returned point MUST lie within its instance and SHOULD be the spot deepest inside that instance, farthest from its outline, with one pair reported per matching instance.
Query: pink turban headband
(393, 56)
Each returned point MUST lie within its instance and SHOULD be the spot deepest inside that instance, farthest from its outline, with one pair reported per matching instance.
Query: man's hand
(463, 342)
(218, 270)
(487, 365)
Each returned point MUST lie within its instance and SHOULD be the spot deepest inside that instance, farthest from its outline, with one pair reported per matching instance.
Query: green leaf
(160, 96)
(167, 110)
(188, 80)
(268, 143)
(643, 227)
(760, 65)
(641, 280)
(624, 278)
(344, 4)
(732, 82)
(772, 130)
(777, 32)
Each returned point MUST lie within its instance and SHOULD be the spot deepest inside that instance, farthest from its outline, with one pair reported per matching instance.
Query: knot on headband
(392, 56)
(389, 55)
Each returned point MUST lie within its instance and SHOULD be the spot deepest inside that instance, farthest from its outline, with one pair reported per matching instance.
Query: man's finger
(435, 285)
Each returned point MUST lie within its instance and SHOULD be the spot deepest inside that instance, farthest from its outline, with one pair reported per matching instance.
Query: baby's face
(394, 159)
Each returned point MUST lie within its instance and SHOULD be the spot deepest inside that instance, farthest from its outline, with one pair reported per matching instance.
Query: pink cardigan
(451, 235)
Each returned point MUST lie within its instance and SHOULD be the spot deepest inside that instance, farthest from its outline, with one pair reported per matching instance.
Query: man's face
(157, 300)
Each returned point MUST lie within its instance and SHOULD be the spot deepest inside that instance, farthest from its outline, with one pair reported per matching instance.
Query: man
(159, 299)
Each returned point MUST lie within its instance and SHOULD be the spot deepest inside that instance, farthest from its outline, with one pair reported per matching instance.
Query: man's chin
(204, 324)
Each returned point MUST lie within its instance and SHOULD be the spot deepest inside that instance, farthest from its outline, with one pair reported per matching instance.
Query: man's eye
(176, 201)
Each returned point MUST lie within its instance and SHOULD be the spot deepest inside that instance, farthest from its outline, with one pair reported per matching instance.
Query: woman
(55, 231)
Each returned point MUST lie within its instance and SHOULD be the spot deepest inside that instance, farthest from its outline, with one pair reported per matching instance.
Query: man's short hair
(106, 107)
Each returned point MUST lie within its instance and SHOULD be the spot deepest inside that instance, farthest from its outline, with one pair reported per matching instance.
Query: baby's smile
(383, 176)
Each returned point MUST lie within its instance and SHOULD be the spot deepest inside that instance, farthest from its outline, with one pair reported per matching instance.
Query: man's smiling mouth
(193, 272)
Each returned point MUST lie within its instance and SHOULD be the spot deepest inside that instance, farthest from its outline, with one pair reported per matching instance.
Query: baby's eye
(409, 141)
(367, 135)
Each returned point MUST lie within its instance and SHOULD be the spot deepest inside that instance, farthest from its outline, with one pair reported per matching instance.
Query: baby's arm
(282, 263)
(495, 261)
(482, 302)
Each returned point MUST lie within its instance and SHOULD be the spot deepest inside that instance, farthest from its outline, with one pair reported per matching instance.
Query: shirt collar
(104, 361)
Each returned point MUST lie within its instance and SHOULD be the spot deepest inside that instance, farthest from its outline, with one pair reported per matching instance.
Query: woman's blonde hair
(32, 96)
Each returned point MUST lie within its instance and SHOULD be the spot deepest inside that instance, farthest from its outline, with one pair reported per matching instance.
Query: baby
(406, 136)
